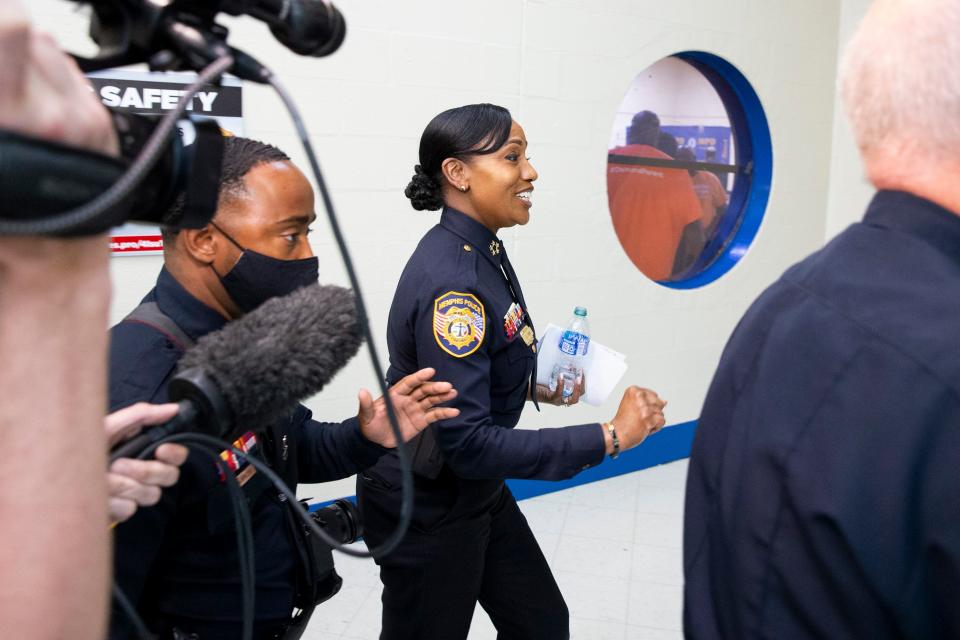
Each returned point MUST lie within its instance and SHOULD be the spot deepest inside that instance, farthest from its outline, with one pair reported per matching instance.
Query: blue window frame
(751, 186)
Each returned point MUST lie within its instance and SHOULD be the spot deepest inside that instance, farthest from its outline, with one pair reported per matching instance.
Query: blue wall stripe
(667, 445)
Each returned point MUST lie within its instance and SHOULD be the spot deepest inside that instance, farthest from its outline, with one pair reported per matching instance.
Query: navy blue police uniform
(822, 492)
(177, 561)
(459, 309)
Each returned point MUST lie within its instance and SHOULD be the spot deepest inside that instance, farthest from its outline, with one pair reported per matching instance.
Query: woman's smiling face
(501, 183)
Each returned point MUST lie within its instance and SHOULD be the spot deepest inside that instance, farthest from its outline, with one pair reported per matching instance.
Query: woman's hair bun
(424, 192)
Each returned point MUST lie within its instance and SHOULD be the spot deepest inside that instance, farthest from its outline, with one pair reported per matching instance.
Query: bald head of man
(901, 90)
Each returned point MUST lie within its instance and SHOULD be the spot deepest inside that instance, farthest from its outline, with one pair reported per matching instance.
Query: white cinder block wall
(849, 190)
(562, 67)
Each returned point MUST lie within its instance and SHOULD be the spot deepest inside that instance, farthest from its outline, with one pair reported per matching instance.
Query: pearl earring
(463, 188)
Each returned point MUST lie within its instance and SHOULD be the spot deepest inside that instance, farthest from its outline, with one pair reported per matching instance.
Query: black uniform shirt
(450, 313)
(823, 497)
(179, 559)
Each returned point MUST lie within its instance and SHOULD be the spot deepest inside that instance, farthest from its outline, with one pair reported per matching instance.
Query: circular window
(689, 168)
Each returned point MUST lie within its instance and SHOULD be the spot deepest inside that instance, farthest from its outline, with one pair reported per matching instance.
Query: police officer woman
(459, 308)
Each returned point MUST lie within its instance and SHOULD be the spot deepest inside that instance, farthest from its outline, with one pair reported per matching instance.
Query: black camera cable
(244, 531)
(245, 547)
(131, 612)
(406, 468)
(247, 67)
(261, 467)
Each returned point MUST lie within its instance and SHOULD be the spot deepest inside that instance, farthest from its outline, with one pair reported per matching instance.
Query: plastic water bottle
(574, 345)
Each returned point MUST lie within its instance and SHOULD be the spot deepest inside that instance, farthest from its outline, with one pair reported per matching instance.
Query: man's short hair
(686, 154)
(644, 129)
(240, 155)
(667, 142)
(899, 79)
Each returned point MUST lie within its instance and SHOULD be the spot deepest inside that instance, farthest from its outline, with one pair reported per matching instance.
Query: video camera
(342, 521)
(51, 189)
(183, 34)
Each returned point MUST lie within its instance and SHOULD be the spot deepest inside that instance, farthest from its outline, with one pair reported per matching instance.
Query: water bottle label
(584, 346)
(570, 342)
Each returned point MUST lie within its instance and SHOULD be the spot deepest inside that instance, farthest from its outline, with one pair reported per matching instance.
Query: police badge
(459, 323)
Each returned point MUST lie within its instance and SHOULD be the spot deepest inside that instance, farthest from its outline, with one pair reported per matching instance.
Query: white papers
(603, 367)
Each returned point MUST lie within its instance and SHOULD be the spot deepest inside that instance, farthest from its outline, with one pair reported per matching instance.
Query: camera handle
(40, 179)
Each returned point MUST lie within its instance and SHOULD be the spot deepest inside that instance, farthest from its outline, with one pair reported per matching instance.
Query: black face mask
(256, 277)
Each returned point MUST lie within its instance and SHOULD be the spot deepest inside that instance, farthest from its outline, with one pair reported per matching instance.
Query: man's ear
(456, 172)
(199, 244)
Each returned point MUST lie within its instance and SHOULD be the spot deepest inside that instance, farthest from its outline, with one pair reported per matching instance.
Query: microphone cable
(406, 467)
(209, 446)
(246, 66)
(131, 612)
(117, 192)
(252, 69)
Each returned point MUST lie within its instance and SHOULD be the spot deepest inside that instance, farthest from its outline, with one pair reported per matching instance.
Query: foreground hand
(42, 92)
(415, 399)
(639, 415)
(137, 483)
(44, 95)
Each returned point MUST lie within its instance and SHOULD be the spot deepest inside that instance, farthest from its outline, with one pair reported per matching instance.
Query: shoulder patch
(459, 323)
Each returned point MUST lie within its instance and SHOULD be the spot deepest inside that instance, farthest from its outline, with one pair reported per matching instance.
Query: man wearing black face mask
(256, 277)
(178, 561)
(256, 246)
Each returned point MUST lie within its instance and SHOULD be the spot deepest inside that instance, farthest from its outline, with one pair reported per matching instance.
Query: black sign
(146, 96)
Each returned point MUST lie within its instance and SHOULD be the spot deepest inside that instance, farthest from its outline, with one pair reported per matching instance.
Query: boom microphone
(184, 34)
(307, 27)
(256, 369)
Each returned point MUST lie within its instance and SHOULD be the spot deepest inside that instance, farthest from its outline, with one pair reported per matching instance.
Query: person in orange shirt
(655, 210)
(713, 197)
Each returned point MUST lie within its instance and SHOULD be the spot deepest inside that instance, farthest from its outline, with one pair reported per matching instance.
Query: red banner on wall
(136, 244)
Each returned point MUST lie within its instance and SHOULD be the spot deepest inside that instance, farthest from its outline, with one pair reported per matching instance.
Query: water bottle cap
(580, 311)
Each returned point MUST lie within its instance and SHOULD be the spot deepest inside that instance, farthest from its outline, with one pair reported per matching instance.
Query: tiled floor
(614, 547)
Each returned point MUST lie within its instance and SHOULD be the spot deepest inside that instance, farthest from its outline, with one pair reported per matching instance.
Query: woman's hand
(555, 397)
(640, 414)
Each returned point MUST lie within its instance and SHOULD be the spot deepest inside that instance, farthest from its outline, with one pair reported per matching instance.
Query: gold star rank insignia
(494, 248)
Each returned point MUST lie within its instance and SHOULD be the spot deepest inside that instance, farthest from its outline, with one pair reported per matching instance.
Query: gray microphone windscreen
(282, 352)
